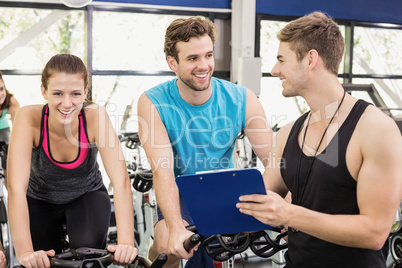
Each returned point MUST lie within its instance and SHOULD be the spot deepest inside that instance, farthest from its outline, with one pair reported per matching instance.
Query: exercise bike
(5, 235)
(85, 257)
(97, 258)
(143, 195)
(395, 242)
(221, 248)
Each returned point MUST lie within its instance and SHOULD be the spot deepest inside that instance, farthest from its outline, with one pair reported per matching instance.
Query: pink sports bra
(83, 139)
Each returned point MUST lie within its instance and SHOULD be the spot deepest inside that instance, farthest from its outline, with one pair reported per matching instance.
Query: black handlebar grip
(159, 261)
(191, 242)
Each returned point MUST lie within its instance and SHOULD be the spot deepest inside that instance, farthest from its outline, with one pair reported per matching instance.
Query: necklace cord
(297, 202)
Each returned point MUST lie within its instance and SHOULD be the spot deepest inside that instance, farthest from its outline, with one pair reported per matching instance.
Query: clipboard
(211, 199)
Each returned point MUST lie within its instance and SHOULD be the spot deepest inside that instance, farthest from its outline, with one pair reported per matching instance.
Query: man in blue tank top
(190, 124)
(340, 161)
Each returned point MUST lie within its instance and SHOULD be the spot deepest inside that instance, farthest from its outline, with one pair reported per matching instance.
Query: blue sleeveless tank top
(202, 137)
(330, 189)
(50, 181)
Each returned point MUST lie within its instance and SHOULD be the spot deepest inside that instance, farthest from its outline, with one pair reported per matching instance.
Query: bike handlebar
(90, 257)
(131, 139)
(223, 247)
(158, 262)
(142, 180)
(191, 242)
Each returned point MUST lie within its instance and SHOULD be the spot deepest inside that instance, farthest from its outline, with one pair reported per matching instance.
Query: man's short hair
(181, 30)
(315, 31)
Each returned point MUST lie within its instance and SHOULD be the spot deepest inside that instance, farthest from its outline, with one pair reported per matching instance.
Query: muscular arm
(272, 176)
(156, 143)
(271, 209)
(114, 162)
(257, 128)
(379, 188)
(19, 168)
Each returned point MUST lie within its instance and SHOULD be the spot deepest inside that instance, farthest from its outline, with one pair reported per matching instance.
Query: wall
(224, 4)
(388, 11)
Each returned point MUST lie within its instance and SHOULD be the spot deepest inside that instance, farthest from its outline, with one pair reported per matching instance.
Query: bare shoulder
(31, 113)
(94, 111)
(98, 122)
(95, 114)
(14, 106)
(27, 123)
(88, 107)
(144, 100)
(250, 93)
(376, 122)
(144, 105)
(377, 131)
(251, 98)
(282, 136)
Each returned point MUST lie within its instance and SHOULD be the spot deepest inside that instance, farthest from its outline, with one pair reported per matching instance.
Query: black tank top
(57, 185)
(330, 189)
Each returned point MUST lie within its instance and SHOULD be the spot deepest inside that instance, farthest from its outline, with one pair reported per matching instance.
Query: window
(129, 49)
(29, 38)
(26, 88)
(126, 56)
(377, 53)
(269, 43)
(120, 94)
(384, 88)
(129, 41)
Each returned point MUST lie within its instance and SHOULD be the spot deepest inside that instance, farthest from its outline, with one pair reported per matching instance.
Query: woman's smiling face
(2, 92)
(65, 94)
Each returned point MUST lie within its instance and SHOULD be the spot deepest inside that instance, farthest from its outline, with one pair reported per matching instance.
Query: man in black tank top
(339, 162)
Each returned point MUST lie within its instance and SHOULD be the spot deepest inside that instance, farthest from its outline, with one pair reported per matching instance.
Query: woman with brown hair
(54, 176)
(8, 106)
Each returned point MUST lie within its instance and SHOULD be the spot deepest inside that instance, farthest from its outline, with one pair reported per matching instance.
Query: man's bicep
(272, 175)
(379, 178)
(153, 135)
(257, 128)
(274, 182)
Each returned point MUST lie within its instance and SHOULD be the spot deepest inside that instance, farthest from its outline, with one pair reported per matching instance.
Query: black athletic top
(330, 189)
(52, 182)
